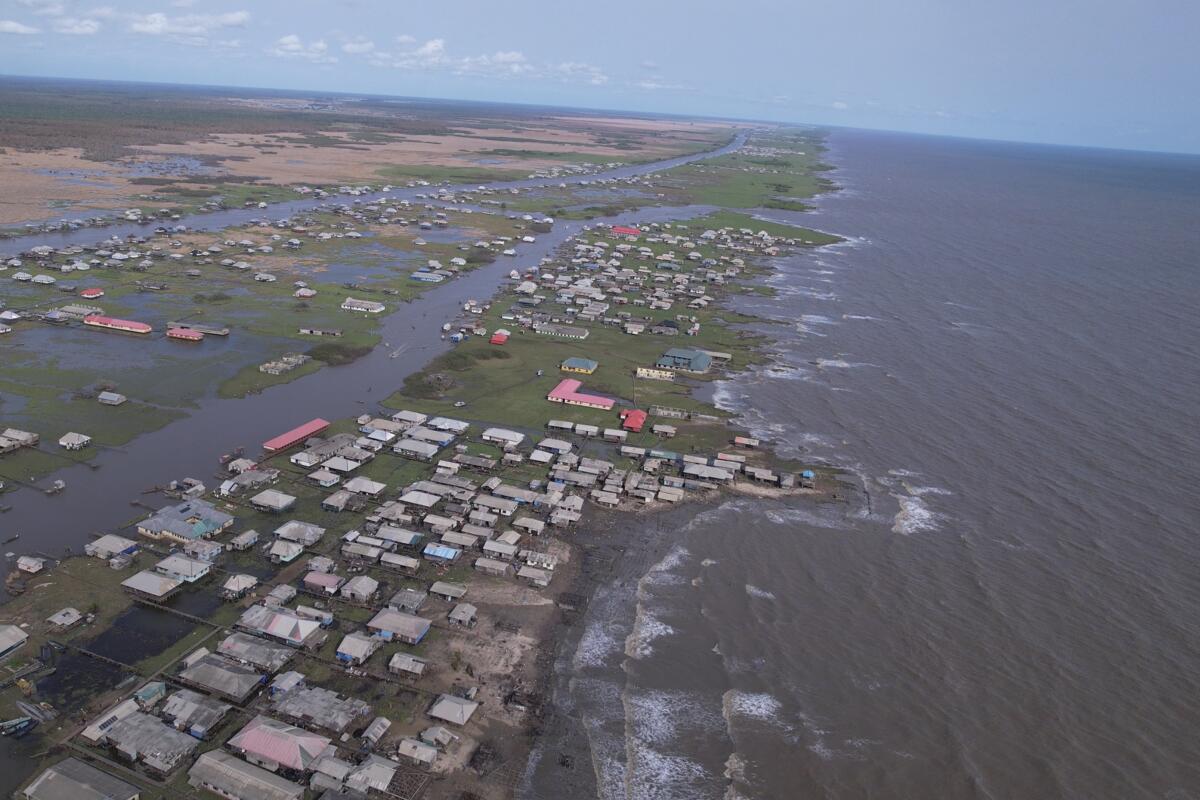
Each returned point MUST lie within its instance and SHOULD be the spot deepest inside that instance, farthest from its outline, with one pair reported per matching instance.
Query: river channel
(98, 493)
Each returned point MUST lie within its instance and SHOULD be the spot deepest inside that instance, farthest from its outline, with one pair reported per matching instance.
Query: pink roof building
(274, 744)
(568, 392)
(324, 581)
(127, 325)
(296, 435)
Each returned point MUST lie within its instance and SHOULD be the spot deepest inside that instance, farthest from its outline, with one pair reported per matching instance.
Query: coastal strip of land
(380, 595)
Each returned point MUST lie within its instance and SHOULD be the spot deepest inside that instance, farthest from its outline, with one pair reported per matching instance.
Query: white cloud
(9, 26)
(76, 27)
(840, 105)
(292, 46)
(160, 24)
(505, 63)
(45, 8)
(573, 71)
(358, 45)
(652, 85)
(435, 55)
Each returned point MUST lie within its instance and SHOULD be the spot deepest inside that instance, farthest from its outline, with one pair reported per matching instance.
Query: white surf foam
(793, 516)
(647, 629)
(914, 516)
(751, 705)
(840, 363)
(761, 594)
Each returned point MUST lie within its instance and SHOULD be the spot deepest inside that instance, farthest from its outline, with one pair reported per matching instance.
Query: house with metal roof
(255, 651)
(227, 775)
(503, 437)
(282, 625)
(142, 738)
(360, 588)
(193, 713)
(276, 745)
(222, 676)
(447, 590)
(405, 663)
(320, 708)
(390, 624)
(151, 585)
(272, 501)
(192, 519)
(182, 568)
(110, 545)
(582, 366)
(463, 614)
(455, 710)
(11, 638)
(417, 751)
(300, 532)
(686, 359)
(357, 647)
(72, 779)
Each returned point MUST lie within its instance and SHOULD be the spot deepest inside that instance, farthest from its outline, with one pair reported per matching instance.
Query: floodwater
(98, 499)
(1004, 356)
(240, 216)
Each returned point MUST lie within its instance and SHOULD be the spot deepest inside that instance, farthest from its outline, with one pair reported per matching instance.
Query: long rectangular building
(295, 436)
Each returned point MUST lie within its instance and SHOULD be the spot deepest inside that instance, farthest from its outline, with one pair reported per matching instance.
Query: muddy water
(240, 216)
(97, 499)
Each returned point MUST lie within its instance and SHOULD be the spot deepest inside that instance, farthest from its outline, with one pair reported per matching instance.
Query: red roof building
(499, 338)
(186, 334)
(296, 435)
(112, 323)
(91, 294)
(626, 231)
(632, 419)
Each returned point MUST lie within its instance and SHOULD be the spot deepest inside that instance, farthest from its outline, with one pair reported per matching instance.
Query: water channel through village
(98, 493)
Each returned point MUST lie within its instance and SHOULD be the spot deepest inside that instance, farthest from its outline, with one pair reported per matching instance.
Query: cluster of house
(612, 279)
(285, 363)
(13, 439)
(291, 736)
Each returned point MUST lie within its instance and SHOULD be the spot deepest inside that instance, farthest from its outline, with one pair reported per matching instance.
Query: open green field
(777, 170)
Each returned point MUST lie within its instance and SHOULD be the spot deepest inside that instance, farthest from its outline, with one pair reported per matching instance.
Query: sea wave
(803, 516)
(840, 363)
(914, 516)
(647, 629)
(761, 594)
(751, 705)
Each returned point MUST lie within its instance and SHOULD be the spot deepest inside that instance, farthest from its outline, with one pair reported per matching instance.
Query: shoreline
(603, 550)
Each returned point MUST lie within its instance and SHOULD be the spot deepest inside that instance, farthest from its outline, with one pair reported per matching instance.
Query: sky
(1108, 73)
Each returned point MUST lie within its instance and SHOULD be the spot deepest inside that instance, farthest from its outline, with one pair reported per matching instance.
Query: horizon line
(623, 112)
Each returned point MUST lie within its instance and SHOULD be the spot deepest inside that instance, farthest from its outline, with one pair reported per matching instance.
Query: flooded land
(315, 456)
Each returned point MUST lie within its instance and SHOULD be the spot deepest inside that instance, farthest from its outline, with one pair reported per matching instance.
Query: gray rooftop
(256, 651)
(321, 708)
(236, 778)
(143, 737)
(72, 779)
(222, 676)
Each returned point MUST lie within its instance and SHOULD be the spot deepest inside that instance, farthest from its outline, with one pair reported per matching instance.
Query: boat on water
(17, 727)
(55, 487)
